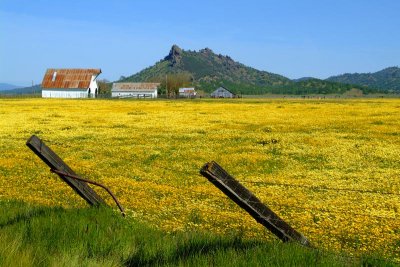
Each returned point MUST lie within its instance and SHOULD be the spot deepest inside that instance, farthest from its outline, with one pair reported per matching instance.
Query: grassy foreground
(44, 236)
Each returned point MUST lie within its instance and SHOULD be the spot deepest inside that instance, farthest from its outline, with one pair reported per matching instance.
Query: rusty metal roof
(69, 78)
(134, 86)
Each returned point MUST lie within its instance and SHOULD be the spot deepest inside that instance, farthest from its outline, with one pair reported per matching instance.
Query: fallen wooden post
(56, 163)
(250, 203)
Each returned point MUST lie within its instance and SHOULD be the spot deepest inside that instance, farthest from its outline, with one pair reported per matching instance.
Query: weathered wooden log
(250, 203)
(56, 163)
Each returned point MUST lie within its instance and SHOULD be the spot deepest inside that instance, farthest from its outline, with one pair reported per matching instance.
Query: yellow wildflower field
(330, 168)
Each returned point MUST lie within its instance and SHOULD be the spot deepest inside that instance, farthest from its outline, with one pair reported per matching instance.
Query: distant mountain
(36, 89)
(7, 86)
(317, 86)
(209, 71)
(303, 79)
(386, 79)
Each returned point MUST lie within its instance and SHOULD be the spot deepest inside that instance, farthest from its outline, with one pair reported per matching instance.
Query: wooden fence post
(250, 203)
(56, 163)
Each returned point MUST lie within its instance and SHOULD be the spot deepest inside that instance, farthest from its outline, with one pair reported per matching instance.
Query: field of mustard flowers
(330, 168)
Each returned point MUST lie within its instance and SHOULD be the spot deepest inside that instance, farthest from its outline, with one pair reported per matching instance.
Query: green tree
(104, 88)
(172, 82)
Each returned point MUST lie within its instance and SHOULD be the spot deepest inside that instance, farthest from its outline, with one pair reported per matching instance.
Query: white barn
(70, 83)
(222, 92)
(135, 90)
(187, 92)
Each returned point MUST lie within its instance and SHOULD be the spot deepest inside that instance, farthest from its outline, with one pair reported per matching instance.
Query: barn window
(54, 76)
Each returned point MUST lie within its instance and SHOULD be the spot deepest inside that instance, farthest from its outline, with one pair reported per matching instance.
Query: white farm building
(70, 83)
(222, 92)
(134, 90)
(187, 92)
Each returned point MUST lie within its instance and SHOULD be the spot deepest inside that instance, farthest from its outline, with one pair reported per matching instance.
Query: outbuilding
(222, 92)
(187, 92)
(135, 90)
(70, 83)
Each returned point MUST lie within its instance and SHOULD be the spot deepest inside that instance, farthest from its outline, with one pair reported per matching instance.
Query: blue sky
(288, 37)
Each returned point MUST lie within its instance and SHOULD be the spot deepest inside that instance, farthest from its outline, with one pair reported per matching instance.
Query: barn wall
(71, 93)
(135, 94)
(93, 87)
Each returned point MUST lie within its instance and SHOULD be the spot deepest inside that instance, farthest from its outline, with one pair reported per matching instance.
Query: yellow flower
(329, 168)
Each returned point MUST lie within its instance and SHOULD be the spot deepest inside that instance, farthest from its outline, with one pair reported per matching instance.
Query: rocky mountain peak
(206, 51)
(175, 54)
